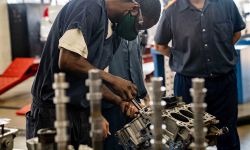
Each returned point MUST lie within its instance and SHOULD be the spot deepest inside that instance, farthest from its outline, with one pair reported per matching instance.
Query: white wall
(5, 48)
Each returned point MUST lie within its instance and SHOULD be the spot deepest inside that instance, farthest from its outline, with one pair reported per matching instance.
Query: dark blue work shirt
(127, 64)
(91, 18)
(201, 39)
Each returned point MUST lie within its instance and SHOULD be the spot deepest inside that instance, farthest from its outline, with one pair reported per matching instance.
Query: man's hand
(145, 101)
(132, 111)
(105, 127)
(129, 109)
(163, 49)
(124, 88)
(236, 37)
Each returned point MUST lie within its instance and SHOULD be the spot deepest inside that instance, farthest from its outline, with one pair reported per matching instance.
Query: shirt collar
(110, 31)
(184, 4)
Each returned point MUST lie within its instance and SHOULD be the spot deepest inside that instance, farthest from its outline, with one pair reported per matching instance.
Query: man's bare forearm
(236, 37)
(163, 49)
(72, 62)
(110, 96)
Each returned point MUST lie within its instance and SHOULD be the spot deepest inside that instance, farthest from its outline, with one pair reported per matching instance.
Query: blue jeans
(221, 99)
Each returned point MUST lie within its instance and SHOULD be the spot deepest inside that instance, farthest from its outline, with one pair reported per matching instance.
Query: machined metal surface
(7, 135)
(178, 122)
(137, 134)
(198, 93)
(84, 147)
(169, 78)
(156, 94)
(51, 139)
(60, 101)
(94, 96)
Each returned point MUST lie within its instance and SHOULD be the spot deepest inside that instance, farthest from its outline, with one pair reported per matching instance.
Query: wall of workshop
(5, 48)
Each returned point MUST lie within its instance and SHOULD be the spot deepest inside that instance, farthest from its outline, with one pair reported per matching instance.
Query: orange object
(169, 4)
(19, 70)
(23, 110)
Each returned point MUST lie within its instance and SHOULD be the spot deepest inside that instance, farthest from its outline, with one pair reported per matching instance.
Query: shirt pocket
(176, 58)
(223, 31)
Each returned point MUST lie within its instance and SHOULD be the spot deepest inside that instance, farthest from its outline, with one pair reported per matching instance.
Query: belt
(219, 76)
(212, 76)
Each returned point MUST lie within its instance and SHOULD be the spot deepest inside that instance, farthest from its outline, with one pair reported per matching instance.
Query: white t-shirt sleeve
(73, 40)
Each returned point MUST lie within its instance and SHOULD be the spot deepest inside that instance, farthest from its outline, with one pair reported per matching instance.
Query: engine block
(177, 128)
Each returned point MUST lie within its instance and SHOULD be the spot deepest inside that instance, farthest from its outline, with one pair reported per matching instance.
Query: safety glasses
(140, 17)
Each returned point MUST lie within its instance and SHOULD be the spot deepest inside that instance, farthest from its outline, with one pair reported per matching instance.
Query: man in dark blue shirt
(203, 34)
(127, 64)
(81, 39)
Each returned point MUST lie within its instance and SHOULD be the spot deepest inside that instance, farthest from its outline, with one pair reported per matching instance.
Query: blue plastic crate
(242, 68)
(158, 59)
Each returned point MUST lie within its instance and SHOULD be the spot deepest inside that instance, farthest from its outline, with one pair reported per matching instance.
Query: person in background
(80, 40)
(127, 64)
(203, 34)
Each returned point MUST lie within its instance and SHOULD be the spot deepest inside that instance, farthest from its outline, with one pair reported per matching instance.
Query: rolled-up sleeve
(164, 33)
(81, 26)
(73, 40)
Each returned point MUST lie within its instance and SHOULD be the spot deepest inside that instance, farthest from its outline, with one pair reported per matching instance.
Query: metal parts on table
(136, 134)
(44, 141)
(198, 93)
(177, 126)
(7, 135)
(52, 139)
(156, 95)
(60, 101)
(94, 96)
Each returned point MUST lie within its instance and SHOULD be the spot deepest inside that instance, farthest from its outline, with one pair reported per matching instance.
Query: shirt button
(202, 14)
(203, 30)
(208, 60)
(205, 45)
